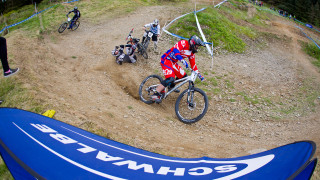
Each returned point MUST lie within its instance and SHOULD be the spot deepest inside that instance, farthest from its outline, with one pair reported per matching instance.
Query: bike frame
(191, 79)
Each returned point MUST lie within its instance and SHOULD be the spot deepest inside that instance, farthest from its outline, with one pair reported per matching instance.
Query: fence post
(40, 17)
(35, 8)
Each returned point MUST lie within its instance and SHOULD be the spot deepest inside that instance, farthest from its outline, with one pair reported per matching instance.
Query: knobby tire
(146, 44)
(62, 27)
(75, 25)
(145, 91)
(188, 114)
(142, 51)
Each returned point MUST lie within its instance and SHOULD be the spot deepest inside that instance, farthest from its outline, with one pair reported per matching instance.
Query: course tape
(199, 28)
(15, 24)
(175, 35)
(307, 26)
(203, 37)
(308, 37)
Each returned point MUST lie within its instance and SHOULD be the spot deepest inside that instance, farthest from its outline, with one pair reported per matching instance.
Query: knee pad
(168, 81)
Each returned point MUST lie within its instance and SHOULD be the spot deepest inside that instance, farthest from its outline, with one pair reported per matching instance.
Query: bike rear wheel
(191, 108)
(148, 88)
(62, 27)
(75, 25)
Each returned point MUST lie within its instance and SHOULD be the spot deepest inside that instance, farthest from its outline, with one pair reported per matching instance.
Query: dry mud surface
(76, 74)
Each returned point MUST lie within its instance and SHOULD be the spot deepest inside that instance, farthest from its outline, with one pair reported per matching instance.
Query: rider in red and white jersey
(171, 68)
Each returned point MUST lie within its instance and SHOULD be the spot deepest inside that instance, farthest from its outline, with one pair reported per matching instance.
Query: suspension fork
(190, 94)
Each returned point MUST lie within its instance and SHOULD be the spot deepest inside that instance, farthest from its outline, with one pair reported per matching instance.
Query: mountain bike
(147, 40)
(191, 105)
(141, 50)
(74, 26)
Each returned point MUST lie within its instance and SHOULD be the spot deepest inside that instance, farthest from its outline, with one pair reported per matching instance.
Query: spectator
(7, 71)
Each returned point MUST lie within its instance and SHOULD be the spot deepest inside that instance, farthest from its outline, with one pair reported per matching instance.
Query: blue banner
(38, 147)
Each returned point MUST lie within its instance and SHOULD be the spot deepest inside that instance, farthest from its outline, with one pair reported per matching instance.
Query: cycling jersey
(177, 53)
(76, 13)
(154, 30)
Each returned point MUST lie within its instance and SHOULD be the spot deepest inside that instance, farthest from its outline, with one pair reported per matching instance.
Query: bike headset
(194, 43)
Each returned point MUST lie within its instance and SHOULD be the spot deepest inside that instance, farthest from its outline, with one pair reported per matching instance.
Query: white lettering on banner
(133, 165)
(226, 168)
(105, 157)
(86, 148)
(205, 171)
(62, 138)
(252, 164)
(43, 128)
(166, 170)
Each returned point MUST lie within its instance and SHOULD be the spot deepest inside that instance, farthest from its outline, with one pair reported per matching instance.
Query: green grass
(217, 27)
(4, 172)
(312, 50)
(15, 95)
(92, 11)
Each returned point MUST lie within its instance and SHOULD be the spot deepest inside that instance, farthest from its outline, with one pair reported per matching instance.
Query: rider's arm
(192, 61)
(69, 12)
(177, 54)
(147, 25)
(193, 65)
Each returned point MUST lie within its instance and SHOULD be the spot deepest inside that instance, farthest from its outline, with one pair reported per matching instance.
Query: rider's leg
(169, 78)
(133, 58)
(180, 73)
(144, 37)
(73, 20)
(155, 41)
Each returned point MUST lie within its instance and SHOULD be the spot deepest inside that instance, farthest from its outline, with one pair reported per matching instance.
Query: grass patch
(252, 100)
(15, 95)
(4, 172)
(312, 50)
(217, 27)
(56, 14)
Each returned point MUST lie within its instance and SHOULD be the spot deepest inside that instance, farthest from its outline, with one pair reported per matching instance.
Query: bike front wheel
(75, 25)
(146, 44)
(62, 27)
(143, 51)
(191, 107)
(148, 88)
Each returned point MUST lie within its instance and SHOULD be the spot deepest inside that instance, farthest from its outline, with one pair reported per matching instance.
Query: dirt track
(75, 72)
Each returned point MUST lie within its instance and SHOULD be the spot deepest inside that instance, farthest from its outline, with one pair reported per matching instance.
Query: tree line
(8, 5)
(307, 11)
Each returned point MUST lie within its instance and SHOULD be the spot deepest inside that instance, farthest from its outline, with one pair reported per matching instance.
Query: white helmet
(156, 22)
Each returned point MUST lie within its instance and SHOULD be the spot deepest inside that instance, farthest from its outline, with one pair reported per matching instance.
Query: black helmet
(135, 40)
(75, 8)
(194, 43)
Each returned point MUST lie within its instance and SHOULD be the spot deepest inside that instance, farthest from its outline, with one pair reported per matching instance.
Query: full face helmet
(155, 22)
(195, 42)
(75, 8)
